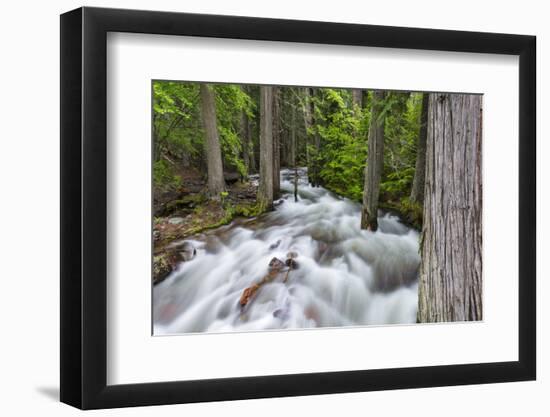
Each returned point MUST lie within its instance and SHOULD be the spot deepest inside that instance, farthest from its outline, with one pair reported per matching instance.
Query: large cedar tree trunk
(265, 189)
(216, 182)
(450, 286)
(375, 165)
(417, 191)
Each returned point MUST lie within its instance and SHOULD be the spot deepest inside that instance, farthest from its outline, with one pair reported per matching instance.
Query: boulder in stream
(165, 262)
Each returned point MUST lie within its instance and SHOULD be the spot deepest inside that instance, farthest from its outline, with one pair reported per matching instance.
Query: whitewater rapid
(345, 277)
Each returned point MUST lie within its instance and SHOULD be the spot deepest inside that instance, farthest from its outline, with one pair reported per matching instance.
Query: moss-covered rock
(161, 267)
(189, 201)
(410, 212)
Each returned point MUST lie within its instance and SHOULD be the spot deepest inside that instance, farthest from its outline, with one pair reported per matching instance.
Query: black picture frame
(84, 207)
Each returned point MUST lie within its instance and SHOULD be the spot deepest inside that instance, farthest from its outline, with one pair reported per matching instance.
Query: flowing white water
(346, 276)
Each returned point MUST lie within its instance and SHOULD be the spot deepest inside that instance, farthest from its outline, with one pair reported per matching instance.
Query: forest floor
(186, 211)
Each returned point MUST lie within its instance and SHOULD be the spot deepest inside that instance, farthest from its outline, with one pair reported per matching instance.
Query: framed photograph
(256, 208)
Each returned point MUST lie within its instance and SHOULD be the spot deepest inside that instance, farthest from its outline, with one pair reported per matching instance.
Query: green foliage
(410, 212)
(163, 175)
(177, 123)
(343, 131)
(335, 145)
(249, 210)
(176, 120)
(344, 148)
(401, 136)
(397, 183)
(231, 102)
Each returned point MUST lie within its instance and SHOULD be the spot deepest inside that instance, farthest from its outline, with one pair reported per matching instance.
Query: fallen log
(275, 267)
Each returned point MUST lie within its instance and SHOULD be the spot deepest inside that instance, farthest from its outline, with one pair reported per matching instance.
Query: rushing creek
(345, 276)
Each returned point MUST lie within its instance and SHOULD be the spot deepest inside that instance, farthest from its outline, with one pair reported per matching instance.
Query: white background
(29, 219)
(133, 60)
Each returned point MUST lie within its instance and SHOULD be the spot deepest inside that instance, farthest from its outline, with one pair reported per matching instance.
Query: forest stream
(345, 276)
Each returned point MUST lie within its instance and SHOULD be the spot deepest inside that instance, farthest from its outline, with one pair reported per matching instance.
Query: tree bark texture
(357, 97)
(292, 156)
(450, 281)
(265, 189)
(314, 159)
(276, 143)
(375, 165)
(417, 191)
(308, 122)
(245, 142)
(216, 182)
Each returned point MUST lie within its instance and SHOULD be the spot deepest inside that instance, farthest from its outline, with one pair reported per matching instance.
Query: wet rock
(213, 244)
(164, 263)
(276, 265)
(186, 251)
(291, 263)
(291, 260)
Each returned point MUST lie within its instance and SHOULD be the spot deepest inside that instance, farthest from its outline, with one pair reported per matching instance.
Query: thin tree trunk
(314, 159)
(276, 143)
(307, 125)
(375, 164)
(293, 151)
(450, 287)
(417, 191)
(357, 97)
(293, 137)
(252, 154)
(212, 143)
(244, 141)
(265, 189)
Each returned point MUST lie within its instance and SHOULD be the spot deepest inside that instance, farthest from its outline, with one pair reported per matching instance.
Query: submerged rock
(275, 245)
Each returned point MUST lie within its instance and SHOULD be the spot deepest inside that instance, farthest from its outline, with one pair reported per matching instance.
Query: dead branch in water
(275, 267)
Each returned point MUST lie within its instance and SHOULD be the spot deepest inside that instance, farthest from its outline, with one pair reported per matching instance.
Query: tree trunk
(265, 189)
(450, 287)
(292, 156)
(251, 153)
(417, 191)
(212, 143)
(245, 142)
(293, 151)
(375, 164)
(276, 143)
(308, 121)
(314, 167)
(357, 98)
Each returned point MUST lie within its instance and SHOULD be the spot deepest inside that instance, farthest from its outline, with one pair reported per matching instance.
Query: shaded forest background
(324, 129)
